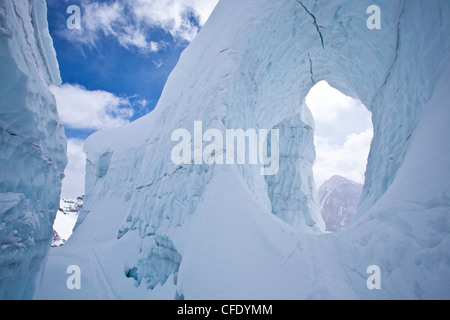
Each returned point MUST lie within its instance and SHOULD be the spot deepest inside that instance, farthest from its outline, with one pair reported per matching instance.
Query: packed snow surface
(151, 229)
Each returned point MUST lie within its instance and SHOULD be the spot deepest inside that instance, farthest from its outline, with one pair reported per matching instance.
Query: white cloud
(102, 17)
(131, 37)
(327, 103)
(73, 183)
(79, 108)
(343, 134)
(129, 21)
(174, 16)
(97, 19)
(348, 160)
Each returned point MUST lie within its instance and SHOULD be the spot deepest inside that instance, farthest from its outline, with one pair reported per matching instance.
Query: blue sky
(114, 69)
(108, 55)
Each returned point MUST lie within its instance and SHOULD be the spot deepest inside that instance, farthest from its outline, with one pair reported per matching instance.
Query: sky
(114, 69)
(342, 136)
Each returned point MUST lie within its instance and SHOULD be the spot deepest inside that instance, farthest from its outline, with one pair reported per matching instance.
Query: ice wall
(214, 228)
(293, 196)
(32, 147)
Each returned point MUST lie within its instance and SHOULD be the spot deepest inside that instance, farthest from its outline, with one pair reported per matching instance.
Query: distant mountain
(339, 199)
(56, 240)
(71, 206)
(65, 220)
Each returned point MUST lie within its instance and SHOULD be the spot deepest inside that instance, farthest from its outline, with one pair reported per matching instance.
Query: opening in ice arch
(342, 137)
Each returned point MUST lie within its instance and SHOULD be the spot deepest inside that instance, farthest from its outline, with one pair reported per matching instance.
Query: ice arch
(251, 67)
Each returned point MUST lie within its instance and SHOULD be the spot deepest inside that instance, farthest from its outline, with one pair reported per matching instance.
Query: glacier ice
(32, 146)
(293, 196)
(198, 231)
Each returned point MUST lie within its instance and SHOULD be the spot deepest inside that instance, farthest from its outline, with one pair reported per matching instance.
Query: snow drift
(152, 229)
(33, 147)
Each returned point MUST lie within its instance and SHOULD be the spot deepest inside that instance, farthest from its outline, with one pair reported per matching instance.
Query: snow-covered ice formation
(32, 145)
(339, 199)
(152, 229)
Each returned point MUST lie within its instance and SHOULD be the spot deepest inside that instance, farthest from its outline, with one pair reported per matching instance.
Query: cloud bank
(82, 109)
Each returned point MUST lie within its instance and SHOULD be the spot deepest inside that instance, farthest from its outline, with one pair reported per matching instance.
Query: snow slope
(32, 145)
(199, 231)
